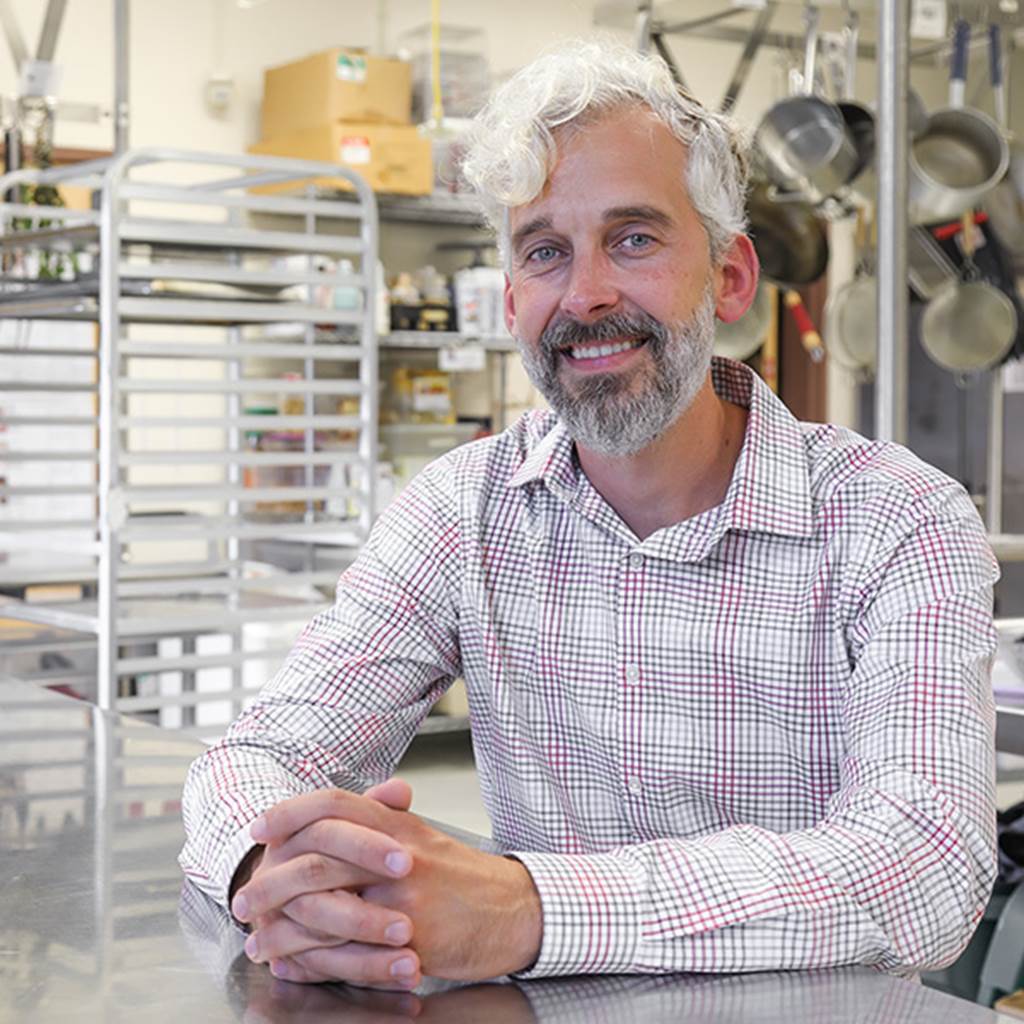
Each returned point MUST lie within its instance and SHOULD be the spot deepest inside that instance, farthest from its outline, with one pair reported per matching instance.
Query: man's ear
(510, 307)
(736, 280)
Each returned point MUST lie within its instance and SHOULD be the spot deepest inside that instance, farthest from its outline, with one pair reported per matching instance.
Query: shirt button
(635, 561)
(632, 673)
(634, 786)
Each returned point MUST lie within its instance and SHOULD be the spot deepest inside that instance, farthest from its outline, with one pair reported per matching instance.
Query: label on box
(354, 149)
(465, 358)
(351, 68)
(928, 19)
(432, 401)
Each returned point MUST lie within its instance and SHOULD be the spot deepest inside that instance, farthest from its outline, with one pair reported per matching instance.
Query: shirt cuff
(593, 909)
(227, 864)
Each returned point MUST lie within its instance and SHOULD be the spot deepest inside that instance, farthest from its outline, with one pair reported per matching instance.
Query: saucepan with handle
(960, 156)
(804, 143)
(851, 318)
(969, 325)
(790, 238)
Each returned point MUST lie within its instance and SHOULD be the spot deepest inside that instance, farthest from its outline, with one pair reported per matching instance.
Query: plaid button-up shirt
(760, 738)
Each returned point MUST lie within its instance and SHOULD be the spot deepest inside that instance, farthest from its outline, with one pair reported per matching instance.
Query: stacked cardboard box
(344, 107)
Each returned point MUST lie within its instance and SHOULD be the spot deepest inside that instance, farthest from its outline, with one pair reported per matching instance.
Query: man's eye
(637, 240)
(542, 254)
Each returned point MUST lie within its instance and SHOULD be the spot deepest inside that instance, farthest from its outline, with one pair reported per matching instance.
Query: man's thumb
(395, 793)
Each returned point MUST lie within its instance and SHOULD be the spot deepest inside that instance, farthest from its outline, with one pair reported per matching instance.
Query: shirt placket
(631, 673)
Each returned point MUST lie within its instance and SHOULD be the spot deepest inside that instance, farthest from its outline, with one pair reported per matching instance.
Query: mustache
(609, 328)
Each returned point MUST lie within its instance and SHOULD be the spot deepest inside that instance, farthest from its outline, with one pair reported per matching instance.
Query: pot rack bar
(891, 149)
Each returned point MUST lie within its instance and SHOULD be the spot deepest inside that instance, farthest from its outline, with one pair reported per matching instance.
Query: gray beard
(621, 413)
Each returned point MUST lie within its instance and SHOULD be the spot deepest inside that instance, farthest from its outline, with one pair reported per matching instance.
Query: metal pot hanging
(968, 325)
(789, 237)
(803, 140)
(851, 315)
(960, 156)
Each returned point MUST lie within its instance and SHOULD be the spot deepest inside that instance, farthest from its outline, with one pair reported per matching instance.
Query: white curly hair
(512, 146)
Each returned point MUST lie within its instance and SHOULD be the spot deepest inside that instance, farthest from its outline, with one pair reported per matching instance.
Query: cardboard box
(335, 85)
(391, 158)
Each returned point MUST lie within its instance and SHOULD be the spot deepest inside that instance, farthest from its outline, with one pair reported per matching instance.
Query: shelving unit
(200, 313)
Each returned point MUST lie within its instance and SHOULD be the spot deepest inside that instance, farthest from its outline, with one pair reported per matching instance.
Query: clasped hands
(356, 888)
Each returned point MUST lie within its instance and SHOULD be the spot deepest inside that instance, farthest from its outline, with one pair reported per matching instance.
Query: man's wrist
(245, 870)
(527, 924)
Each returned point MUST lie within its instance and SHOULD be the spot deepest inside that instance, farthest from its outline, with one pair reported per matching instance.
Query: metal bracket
(753, 44)
(37, 76)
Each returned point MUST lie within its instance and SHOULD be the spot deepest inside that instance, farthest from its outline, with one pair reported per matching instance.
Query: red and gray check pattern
(761, 738)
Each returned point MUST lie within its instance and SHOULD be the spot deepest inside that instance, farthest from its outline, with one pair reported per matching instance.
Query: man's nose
(591, 292)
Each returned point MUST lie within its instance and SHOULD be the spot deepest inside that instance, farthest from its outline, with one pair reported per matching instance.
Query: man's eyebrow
(531, 227)
(651, 214)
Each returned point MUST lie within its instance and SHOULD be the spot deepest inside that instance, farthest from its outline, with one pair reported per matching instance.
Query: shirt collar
(770, 489)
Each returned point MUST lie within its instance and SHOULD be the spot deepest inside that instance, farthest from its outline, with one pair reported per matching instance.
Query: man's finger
(355, 844)
(327, 919)
(310, 872)
(289, 816)
(355, 963)
(395, 793)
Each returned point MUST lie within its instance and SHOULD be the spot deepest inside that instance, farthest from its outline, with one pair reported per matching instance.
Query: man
(727, 673)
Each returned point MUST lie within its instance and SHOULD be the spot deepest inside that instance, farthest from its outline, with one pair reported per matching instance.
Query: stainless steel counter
(96, 924)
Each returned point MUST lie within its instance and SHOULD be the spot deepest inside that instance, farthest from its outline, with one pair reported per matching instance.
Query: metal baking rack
(209, 517)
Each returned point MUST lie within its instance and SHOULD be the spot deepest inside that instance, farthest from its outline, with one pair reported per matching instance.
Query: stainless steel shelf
(191, 662)
(440, 208)
(155, 617)
(319, 421)
(242, 350)
(243, 457)
(236, 288)
(444, 339)
(185, 527)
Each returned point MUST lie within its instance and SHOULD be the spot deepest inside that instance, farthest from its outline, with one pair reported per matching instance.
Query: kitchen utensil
(803, 139)
(859, 120)
(1005, 203)
(742, 338)
(770, 348)
(969, 325)
(929, 269)
(851, 317)
(789, 238)
(809, 336)
(960, 156)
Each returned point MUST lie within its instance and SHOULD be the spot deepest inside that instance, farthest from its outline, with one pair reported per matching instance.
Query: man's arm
(898, 872)
(352, 693)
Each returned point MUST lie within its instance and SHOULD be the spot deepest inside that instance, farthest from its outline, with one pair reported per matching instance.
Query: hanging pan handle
(811, 16)
(958, 67)
(851, 35)
(809, 336)
(995, 66)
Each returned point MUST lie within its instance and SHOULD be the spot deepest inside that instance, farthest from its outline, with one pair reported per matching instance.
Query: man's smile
(602, 355)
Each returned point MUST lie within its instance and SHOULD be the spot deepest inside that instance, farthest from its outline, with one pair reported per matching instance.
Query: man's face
(611, 293)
